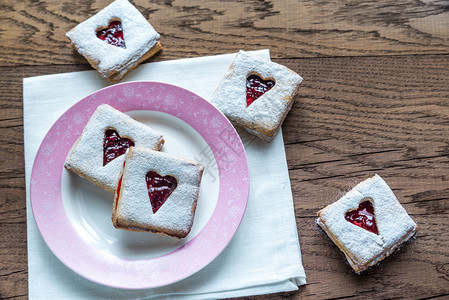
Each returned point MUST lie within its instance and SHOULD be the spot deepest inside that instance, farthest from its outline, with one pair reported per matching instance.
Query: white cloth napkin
(264, 255)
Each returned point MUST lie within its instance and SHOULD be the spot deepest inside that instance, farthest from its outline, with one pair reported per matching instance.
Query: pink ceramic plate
(74, 216)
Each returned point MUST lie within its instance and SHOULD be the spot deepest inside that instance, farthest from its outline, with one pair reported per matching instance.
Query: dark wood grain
(33, 32)
(353, 117)
(356, 117)
(13, 238)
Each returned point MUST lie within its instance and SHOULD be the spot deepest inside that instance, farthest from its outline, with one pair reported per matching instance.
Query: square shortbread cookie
(115, 40)
(157, 193)
(256, 94)
(98, 154)
(367, 224)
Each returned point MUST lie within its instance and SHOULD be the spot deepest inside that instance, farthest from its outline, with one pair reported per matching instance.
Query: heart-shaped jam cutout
(113, 34)
(256, 87)
(159, 188)
(114, 145)
(363, 217)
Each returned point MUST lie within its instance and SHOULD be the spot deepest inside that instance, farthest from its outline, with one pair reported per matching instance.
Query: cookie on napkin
(256, 94)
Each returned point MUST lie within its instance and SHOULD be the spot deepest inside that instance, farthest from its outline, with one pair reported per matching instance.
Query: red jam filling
(159, 188)
(119, 186)
(256, 87)
(363, 217)
(117, 194)
(113, 34)
(114, 146)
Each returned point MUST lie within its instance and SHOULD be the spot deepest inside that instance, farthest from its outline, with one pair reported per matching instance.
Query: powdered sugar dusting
(264, 115)
(86, 158)
(138, 33)
(364, 248)
(177, 213)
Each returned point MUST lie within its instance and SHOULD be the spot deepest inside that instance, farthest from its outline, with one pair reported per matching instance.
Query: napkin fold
(263, 257)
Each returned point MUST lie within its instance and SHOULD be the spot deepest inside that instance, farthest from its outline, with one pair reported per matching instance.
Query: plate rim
(231, 142)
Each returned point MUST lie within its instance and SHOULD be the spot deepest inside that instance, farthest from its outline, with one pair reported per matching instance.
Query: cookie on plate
(367, 224)
(115, 40)
(157, 193)
(98, 154)
(256, 94)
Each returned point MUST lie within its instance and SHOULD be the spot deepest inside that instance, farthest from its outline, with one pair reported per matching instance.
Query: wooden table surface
(375, 99)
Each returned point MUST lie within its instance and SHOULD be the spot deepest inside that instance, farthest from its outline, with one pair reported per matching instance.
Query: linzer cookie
(98, 154)
(115, 40)
(157, 193)
(256, 94)
(367, 224)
